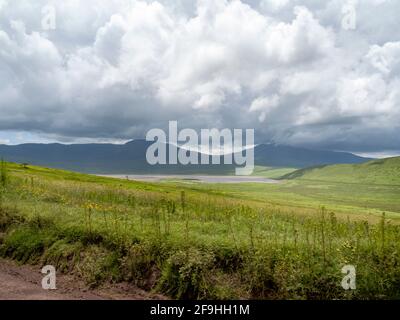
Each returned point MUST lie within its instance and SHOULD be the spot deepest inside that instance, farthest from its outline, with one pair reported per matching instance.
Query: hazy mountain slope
(131, 158)
(386, 171)
(293, 157)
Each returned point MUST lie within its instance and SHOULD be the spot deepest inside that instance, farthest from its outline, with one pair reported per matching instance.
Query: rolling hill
(130, 158)
(385, 172)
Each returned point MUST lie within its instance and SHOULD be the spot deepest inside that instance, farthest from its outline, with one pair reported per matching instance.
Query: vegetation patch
(192, 244)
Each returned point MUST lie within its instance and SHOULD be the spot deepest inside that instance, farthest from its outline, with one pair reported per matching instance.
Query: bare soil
(24, 283)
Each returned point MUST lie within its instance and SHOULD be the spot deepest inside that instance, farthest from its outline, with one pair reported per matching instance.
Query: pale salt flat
(195, 178)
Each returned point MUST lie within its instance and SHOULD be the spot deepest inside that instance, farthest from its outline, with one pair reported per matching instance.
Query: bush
(140, 266)
(185, 274)
(98, 265)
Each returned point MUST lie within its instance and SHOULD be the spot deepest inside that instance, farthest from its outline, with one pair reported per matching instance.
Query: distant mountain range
(130, 158)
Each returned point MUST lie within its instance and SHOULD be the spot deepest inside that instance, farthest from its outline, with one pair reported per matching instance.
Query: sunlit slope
(385, 171)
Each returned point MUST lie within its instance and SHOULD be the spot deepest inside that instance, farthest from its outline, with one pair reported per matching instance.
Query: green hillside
(385, 171)
(272, 172)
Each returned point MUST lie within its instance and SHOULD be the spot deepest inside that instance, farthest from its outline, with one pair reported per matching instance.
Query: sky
(311, 73)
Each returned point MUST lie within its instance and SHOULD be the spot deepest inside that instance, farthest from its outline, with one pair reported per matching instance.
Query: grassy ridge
(385, 172)
(191, 241)
(272, 172)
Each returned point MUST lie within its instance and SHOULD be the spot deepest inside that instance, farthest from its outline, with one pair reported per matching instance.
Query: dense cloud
(288, 68)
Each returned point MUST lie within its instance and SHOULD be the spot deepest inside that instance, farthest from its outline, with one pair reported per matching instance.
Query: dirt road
(24, 283)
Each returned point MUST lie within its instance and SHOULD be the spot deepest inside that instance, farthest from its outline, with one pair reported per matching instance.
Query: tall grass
(3, 181)
(3, 174)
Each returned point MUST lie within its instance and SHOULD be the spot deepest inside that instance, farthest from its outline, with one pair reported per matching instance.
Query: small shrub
(140, 266)
(98, 265)
(186, 273)
(259, 276)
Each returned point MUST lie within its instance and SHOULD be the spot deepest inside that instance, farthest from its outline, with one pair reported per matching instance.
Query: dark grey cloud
(115, 69)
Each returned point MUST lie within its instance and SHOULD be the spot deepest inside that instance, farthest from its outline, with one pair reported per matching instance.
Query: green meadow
(192, 240)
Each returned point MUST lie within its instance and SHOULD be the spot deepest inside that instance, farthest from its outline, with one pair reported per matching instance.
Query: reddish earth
(24, 283)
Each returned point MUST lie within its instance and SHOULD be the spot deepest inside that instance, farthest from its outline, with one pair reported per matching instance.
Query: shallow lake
(195, 178)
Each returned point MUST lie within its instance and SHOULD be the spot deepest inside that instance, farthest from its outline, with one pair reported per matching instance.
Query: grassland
(195, 241)
(377, 172)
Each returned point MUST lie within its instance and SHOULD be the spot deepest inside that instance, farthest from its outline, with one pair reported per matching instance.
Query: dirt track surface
(24, 283)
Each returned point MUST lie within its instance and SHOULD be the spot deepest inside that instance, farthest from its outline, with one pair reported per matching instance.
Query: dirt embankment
(24, 283)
